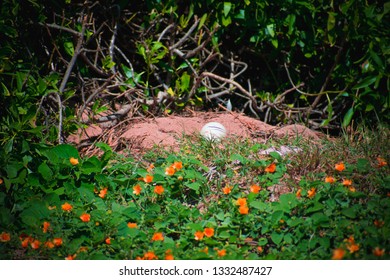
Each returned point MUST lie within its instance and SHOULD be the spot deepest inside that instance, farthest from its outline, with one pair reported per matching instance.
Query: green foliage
(201, 214)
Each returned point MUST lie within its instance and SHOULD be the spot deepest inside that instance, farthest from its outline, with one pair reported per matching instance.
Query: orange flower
(158, 189)
(169, 255)
(260, 249)
(339, 166)
(150, 256)
(330, 180)
(46, 226)
(199, 235)
(338, 254)
(132, 225)
(255, 188)
(270, 168)
(158, 236)
(74, 161)
(298, 194)
(108, 241)
(241, 201)
(227, 190)
(1, 181)
(137, 190)
(379, 223)
(243, 210)
(170, 171)
(67, 207)
(350, 240)
(26, 240)
(221, 253)
(5, 237)
(378, 252)
(177, 165)
(352, 189)
(85, 217)
(49, 244)
(208, 232)
(57, 241)
(381, 162)
(35, 244)
(353, 248)
(71, 257)
(347, 182)
(205, 250)
(103, 192)
(148, 179)
(311, 193)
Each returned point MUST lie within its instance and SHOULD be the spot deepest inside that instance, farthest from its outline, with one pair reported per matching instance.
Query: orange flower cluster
(270, 168)
(132, 225)
(85, 217)
(311, 193)
(227, 189)
(208, 232)
(67, 207)
(255, 189)
(137, 190)
(108, 241)
(381, 162)
(243, 207)
(338, 254)
(159, 189)
(220, 253)
(378, 252)
(73, 161)
(148, 178)
(45, 227)
(103, 192)
(5, 237)
(351, 245)
(330, 180)
(176, 166)
(158, 236)
(71, 257)
(148, 256)
(299, 193)
(339, 166)
(169, 255)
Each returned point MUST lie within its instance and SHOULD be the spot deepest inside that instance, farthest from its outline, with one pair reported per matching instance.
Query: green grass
(295, 215)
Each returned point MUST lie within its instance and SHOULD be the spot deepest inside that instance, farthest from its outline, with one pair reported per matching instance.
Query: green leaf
(315, 208)
(45, 171)
(194, 186)
(277, 237)
(365, 82)
(69, 48)
(276, 216)
(226, 8)
(271, 29)
(349, 212)
(348, 117)
(319, 219)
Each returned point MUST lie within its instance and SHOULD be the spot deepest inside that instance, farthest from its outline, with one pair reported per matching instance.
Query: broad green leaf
(348, 117)
(45, 171)
(271, 30)
(349, 212)
(69, 48)
(277, 237)
(226, 8)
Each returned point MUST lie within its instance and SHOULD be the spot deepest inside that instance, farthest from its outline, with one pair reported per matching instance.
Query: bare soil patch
(139, 135)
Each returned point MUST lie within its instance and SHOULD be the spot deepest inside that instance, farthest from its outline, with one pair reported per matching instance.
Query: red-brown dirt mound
(143, 134)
